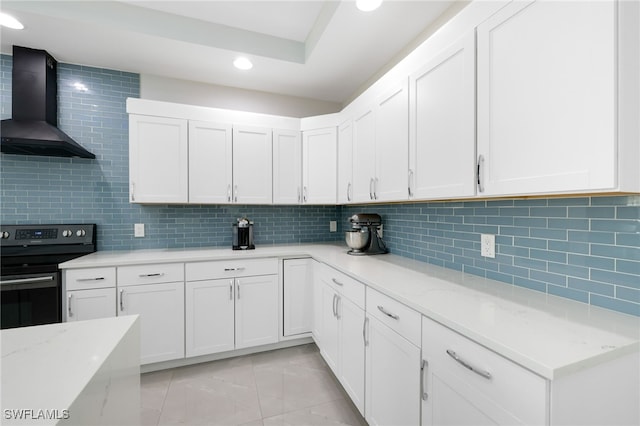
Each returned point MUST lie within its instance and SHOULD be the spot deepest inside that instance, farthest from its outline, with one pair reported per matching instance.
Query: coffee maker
(243, 234)
(364, 237)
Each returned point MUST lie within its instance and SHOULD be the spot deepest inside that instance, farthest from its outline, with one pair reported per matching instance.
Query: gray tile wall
(584, 248)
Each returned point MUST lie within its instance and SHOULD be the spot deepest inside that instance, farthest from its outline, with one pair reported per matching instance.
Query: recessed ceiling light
(368, 5)
(10, 22)
(242, 63)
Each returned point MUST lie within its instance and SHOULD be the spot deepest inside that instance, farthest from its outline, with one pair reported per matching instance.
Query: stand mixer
(363, 238)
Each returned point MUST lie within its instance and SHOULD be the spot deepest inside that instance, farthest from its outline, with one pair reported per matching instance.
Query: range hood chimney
(33, 128)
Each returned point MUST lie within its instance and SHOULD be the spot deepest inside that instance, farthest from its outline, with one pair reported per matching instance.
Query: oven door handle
(16, 283)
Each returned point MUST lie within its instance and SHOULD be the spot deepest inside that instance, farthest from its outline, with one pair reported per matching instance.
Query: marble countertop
(47, 367)
(550, 335)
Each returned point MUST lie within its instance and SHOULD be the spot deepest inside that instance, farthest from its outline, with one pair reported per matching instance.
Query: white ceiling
(323, 50)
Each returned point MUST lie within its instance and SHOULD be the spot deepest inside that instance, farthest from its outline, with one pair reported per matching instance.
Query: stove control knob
(81, 233)
(67, 233)
(5, 235)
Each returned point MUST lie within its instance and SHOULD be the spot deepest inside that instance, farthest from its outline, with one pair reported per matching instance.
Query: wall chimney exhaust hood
(33, 128)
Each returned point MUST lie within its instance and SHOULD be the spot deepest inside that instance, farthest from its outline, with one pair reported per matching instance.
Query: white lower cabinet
(161, 310)
(230, 305)
(209, 303)
(467, 384)
(297, 308)
(393, 363)
(156, 293)
(91, 304)
(342, 330)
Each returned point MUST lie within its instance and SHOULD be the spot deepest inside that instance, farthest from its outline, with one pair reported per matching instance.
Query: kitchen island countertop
(549, 335)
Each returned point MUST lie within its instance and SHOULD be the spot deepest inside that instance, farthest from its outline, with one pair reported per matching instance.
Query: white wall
(165, 89)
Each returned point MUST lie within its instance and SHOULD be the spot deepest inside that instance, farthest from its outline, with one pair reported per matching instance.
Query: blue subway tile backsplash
(582, 248)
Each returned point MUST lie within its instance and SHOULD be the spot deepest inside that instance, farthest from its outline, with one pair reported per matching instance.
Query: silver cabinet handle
(133, 191)
(338, 300)
(365, 326)
(229, 193)
(469, 366)
(349, 191)
(299, 196)
(423, 380)
(235, 194)
(69, 297)
(410, 180)
(337, 282)
(304, 194)
(381, 309)
(480, 173)
(156, 274)
(238, 287)
(90, 279)
(371, 189)
(242, 268)
(375, 188)
(231, 290)
(121, 300)
(333, 306)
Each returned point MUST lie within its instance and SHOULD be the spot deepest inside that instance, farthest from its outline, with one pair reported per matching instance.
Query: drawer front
(150, 274)
(395, 315)
(84, 279)
(350, 288)
(502, 389)
(198, 271)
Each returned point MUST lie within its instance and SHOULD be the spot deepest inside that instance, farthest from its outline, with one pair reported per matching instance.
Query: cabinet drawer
(150, 274)
(394, 314)
(198, 271)
(498, 387)
(344, 284)
(84, 279)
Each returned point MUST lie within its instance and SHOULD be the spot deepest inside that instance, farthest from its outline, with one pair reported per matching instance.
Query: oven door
(30, 299)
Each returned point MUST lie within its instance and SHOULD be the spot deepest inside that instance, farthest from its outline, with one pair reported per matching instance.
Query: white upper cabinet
(287, 167)
(364, 158)
(442, 124)
(392, 144)
(252, 165)
(319, 162)
(380, 147)
(157, 160)
(210, 162)
(345, 162)
(548, 74)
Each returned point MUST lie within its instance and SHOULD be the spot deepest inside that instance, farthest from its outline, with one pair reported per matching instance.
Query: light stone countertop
(550, 335)
(47, 367)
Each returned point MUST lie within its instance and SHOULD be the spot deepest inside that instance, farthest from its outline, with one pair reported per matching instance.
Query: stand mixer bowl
(357, 239)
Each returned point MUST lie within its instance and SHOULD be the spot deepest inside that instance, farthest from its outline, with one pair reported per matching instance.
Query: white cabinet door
(287, 167)
(345, 162)
(158, 163)
(210, 162)
(364, 155)
(161, 310)
(298, 296)
(392, 144)
(91, 304)
(330, 340)
(442, 124)
(256, 310)
(392, 377)
(252, 165)
(209, 316)
(546, 98)
(319, 162)
(351, 353)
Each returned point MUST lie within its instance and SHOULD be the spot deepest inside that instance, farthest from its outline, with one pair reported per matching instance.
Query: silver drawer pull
(90, 279)
(234, 269)
(381, 309)
(157, 274)
(468, 366)
(69, 304)
(337, 282)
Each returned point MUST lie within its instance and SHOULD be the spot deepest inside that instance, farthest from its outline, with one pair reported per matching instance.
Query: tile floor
(292, 386)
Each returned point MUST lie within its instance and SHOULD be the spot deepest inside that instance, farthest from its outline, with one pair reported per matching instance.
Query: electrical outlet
(333, 226)
(488, 245)
(138, 230)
